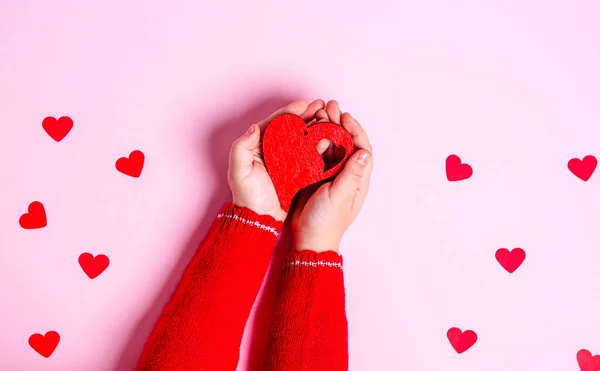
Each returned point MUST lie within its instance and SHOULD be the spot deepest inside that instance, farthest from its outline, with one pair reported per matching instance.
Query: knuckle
(237, 146)
(357, 176)
(236, 143)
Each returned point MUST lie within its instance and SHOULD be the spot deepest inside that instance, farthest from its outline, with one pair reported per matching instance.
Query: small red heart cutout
(461, 341)
(583, 169)
(131, 165)
(291, 156)
(510, 260)
(35, 217)
(587, 362)
(456, 170)
(57, 129)
(93, 266)
(44, 344)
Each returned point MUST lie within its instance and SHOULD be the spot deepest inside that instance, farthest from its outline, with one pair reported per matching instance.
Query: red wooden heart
(510, 260)
(44, 344)
(131, 165)
(35, 216)
(93, 266)
(583, 169)
(456, 170)
(291, 156)
(587, 362)
(461, 341)
(57, 129)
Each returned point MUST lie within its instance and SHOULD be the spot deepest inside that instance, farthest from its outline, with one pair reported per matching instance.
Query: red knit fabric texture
(202, 325)
(309, 331)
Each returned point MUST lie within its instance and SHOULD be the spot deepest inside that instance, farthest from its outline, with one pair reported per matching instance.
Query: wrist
(277, 213)
(311, 261)
(304, 243)
(244, 220)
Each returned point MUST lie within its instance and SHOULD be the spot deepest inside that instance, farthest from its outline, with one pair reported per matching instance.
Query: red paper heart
(461, 341)
(57, 129)
(587, 362)
(291, 156)
(35, 216)
(44, 344)
(131, 165)
(456, 170)
(583, 169)
(93, 266)
(510, 260)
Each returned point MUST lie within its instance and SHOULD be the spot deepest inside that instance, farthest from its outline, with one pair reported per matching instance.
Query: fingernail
(363, 159)
(251, 129)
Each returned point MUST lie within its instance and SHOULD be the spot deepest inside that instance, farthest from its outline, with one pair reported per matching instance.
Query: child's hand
(324, 212)
(250, 184)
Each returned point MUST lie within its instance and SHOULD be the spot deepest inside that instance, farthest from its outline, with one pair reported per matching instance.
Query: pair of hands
(322, 212)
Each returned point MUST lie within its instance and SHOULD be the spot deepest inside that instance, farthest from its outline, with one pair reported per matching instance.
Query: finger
(361, 195)
(323, 146)
(321, 115)
(347, 184)
(304, 195)
(329, 154)
(312, 109)
(296, 108)
(359, 137)
(333, 111)
(241, 156)
(338, 152)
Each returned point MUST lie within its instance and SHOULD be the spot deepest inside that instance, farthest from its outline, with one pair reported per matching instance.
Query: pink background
(513, 87)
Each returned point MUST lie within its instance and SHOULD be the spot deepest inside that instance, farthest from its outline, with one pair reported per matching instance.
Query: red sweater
(202, 325)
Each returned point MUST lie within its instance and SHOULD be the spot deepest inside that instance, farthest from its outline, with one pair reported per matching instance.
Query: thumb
(350, 179)
(241, 156)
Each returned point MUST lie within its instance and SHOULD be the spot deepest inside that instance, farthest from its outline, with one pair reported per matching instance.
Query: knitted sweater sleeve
(309, 329)
(202, 325)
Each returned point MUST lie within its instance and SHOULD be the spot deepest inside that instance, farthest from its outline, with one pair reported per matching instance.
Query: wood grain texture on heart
(291, 156)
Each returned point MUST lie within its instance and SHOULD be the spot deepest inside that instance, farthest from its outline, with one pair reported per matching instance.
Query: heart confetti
(131, 165)
(461, 341)
(35, 217)
(587, 362)
(44, 344)
(93, 266)
(456, 170)
(57, 129)
(583, 169)
(510, 260)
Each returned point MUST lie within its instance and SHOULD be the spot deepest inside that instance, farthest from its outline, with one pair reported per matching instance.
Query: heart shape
(291, 156)
(57, 129)
(93, 266)
(456, 170)
(583, 169)
(131, 165)
(587, 362)
(461, 341)
(35, 217)
(510, 260)
(44, 344)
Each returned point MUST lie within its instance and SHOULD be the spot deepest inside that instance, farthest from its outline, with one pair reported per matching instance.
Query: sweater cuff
(245, 221)
(306, 261)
